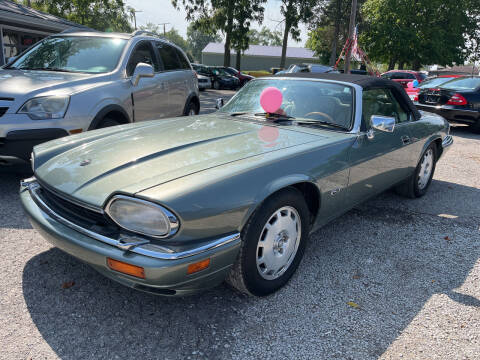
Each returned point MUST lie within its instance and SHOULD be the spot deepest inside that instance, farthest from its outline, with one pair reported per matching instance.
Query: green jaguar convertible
(175, 206)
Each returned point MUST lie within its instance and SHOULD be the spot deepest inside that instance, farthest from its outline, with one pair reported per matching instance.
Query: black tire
(191, 109)
(475, 127)
(201, 89)
(107, 122)
(216, 85)
(411, 188)
(244, 275)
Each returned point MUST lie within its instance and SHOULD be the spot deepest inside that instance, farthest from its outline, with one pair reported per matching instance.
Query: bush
(258, 73)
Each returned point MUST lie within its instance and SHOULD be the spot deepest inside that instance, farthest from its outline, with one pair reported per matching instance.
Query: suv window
(184, 63)
(144, 53)
(169, 57)
(382, 102)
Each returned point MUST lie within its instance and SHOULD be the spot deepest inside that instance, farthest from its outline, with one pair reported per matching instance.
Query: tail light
(415, 98)
(196, 74)
(457, 99)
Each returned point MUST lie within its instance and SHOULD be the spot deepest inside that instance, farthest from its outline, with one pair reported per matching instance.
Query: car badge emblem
(85, 162)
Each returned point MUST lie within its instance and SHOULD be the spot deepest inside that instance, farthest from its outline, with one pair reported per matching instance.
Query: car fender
(272, 187)
(104, 110)
(427, 143)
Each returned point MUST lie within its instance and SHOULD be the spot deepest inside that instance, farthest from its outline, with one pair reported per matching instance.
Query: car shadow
(463, 132)
(11, 212)
(383, 256)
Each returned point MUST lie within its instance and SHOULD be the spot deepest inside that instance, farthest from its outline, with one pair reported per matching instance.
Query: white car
(204, 82)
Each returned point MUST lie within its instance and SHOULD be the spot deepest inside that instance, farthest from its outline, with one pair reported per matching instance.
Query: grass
(258, 73)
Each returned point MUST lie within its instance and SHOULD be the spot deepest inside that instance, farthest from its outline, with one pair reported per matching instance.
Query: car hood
(132, 158)
(18, 83)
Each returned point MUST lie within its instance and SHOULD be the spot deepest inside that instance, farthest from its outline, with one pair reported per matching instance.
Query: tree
(246, 11)
(265, 37)
(102, 15)
(412, 33)
(171, 35)
(228, 16)
(294, 12)
(197, 40)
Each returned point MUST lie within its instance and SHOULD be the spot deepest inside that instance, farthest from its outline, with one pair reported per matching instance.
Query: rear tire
(107, 122)
(475, 127)
(216, 85)
(273, 244)
(417, 185)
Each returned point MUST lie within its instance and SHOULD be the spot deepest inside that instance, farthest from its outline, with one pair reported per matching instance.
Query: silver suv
(78, 81)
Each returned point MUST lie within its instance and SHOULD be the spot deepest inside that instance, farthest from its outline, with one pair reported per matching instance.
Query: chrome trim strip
(134, 245)
(447, 141)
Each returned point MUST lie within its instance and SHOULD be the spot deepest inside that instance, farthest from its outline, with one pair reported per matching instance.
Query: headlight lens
(142, 216)
(48, 107)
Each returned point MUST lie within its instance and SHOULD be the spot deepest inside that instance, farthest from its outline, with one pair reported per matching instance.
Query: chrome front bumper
(165, 268)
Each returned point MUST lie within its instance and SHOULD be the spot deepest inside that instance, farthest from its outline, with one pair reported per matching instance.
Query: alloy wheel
(426, 167)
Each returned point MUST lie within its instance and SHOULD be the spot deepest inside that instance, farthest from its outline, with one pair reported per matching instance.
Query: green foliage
(265, 36)
(102, 15)
(171, 35)
(419, 32)
(294, 13)
(198, 39)
(232, 17)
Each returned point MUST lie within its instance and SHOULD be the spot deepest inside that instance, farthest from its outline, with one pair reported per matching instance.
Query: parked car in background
(244, 78)
(78, 81)
(219, 78)
(428, 83)
(403, 77)
(222, 79)
(204, 82)
(175, 207)
(307, 68)
(457, 100)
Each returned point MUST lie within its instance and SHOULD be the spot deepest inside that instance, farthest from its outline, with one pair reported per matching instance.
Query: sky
(162, 11)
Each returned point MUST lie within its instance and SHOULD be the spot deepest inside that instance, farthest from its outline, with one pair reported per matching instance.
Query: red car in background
(244, 78)
(403, 77)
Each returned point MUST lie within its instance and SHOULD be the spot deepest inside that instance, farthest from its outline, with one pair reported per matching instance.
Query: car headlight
(47, 107)
(142, 217)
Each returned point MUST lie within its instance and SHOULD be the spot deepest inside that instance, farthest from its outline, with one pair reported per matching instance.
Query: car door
(176, 77)
(150, 96)
(384, 158)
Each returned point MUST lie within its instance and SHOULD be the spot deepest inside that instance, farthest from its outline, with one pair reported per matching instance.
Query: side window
(382, 102)
(143, 52)
(184, 63)
(169, 57)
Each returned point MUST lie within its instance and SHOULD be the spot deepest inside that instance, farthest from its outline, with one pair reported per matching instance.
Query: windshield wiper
(273, 116)
(312, 122)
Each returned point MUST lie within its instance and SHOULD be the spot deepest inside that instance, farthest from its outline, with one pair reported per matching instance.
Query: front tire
(273, 244)
(216, 85)
(107, 122)
(191, 109)
(417, 185)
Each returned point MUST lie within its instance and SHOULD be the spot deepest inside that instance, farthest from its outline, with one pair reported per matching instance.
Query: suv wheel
(192, 109)
(107, 122)
(216, 85)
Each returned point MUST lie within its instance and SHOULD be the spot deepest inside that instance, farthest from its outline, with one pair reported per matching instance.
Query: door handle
(406, 140)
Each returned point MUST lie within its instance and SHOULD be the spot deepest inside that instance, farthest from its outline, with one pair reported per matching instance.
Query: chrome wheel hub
(278, 243)
(426, 167)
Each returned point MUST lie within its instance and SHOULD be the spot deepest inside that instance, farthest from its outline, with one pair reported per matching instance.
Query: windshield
(72, 54)
(302, 99)
(433, 82)
(466, 83)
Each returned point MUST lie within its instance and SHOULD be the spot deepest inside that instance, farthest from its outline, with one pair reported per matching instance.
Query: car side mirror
(142, 70)
(381, 123)
(219, 103)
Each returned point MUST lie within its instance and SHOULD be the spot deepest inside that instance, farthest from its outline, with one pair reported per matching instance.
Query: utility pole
(351, 29)
(134, 13)
(164, 31)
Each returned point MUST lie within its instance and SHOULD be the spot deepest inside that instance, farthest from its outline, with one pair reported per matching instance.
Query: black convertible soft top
(366, 82)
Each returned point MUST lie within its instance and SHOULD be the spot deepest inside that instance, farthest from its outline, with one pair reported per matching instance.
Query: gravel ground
(411, 266)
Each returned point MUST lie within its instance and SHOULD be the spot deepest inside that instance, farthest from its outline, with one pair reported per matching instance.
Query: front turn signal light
(126, 268)
(198, 266)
